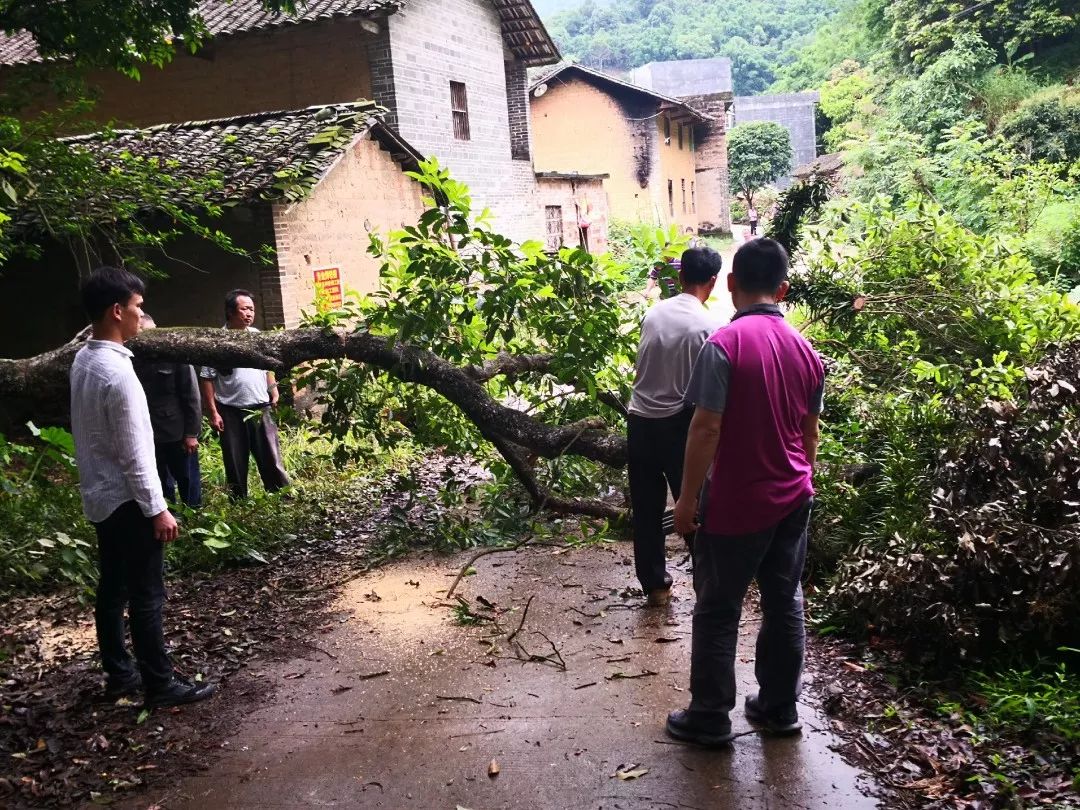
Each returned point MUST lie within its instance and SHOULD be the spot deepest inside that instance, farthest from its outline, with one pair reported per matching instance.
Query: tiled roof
(226, 18)
(521, 25)
(614, 84)
(260, 157)
(525, 33)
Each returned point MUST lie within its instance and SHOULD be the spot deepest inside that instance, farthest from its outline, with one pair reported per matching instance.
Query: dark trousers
(753, 227)
(131, 563)
(179, 473)
(724, 566)
(251, 431)
(655, 451)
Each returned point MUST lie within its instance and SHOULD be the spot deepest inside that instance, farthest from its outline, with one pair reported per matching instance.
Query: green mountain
(760, 36)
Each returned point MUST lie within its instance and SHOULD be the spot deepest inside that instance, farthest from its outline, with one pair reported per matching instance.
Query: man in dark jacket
(172, 393)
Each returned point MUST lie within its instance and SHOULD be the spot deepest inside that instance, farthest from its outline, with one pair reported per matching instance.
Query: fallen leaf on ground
(628, 772)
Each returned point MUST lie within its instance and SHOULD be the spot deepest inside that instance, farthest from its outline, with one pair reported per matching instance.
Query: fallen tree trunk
(37, 388)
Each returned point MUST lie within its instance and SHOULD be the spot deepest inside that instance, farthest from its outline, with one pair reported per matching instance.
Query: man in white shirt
(121, 494)
(672, 334)
(231, 396)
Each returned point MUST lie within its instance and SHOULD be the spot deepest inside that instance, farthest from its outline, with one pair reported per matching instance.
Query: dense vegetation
(757, 35)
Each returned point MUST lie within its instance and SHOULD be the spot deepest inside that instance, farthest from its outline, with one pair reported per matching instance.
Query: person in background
(662, 276)
(757, 390)
(752, 215)
(172, 393)
(672, 334)
(237, 403)
(122, 497)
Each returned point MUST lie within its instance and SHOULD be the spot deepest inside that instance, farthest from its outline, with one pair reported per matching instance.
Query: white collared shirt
(114, 442)
(240, 387)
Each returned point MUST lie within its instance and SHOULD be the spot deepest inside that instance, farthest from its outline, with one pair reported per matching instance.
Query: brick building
(705, 85)
(644, 143)
(310, 183)
(450, 73)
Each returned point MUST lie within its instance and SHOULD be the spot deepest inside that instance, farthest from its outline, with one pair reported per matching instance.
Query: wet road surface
(400, 706)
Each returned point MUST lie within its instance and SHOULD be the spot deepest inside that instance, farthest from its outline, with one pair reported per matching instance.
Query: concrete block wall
(794, 111)
(366, 191)
(434, 42)
(713, 186)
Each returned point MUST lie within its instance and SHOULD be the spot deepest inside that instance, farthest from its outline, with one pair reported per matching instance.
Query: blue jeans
(724, 566)
(179, 471)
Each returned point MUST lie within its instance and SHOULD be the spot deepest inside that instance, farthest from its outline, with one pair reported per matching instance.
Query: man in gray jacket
(172, 393)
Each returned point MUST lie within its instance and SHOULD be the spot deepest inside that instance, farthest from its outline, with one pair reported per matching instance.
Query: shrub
(46, 542)
(639, 247)
(1047, 126)
(1002, 90)
(924, 321)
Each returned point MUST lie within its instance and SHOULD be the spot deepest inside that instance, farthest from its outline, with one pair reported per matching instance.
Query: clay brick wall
(579, 128)
(713, 189)
(580, 201)
(287, 68)
(366, 191)
(434, 42)
(674, 164)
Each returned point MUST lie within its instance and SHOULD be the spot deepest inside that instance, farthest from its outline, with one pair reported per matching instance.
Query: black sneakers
(780, 723)
(177, 692)
(682, 726)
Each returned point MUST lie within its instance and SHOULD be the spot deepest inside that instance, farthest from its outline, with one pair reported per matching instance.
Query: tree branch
(37, 387)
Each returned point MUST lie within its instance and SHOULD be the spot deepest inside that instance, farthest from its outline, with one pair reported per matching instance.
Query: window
(554, 239)
(459, 107)
(671, 197)
(684, 196)
(667, 130)
(693, 198)
(680, 135)
(693, 146)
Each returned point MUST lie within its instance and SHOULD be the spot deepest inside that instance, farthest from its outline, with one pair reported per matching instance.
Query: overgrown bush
(924, 321)
(46, 542)
(1047, 126)
(639, 247)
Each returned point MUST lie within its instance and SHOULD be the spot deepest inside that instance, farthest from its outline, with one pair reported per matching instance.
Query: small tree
(758, 154)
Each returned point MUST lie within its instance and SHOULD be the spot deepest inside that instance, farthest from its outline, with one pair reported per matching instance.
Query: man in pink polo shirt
(757, 387)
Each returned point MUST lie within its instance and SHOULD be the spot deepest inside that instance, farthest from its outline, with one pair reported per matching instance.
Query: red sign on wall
(328, 287)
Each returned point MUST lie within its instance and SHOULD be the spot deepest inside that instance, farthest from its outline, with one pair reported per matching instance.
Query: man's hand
(191, 445)
(216, 422)
(686, 515)
(165, 528)
(274, 397)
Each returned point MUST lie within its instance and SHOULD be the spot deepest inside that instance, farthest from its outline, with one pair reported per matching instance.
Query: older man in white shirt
(122, 497)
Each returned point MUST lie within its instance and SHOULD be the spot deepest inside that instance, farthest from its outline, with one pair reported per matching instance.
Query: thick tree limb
(37, 387)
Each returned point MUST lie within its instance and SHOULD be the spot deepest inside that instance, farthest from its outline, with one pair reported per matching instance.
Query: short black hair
(107, 286)
(760, 266)
(230, 300)
(701, 264)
